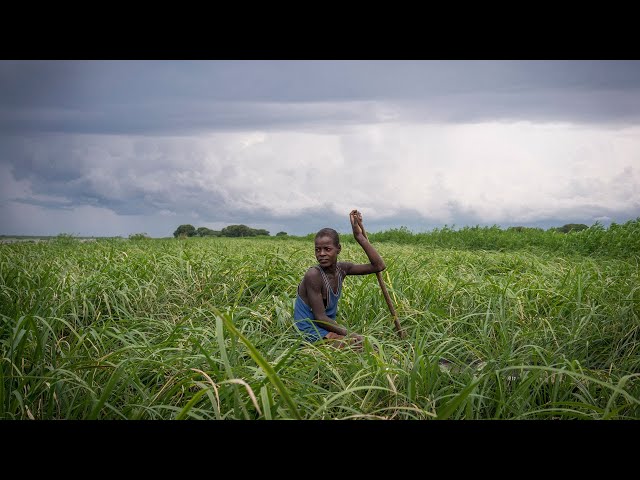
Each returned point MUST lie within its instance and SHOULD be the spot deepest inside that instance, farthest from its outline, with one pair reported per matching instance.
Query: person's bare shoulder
(312, 276)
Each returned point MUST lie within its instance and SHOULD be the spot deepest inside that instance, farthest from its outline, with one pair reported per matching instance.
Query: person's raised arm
(377, 264)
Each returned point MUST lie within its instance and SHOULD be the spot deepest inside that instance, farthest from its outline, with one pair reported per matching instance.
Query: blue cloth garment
(303, 315)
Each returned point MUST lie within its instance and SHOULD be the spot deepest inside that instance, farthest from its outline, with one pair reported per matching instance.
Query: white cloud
(484, 172)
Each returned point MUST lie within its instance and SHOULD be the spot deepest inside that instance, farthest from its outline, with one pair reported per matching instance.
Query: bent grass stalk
(266, 367)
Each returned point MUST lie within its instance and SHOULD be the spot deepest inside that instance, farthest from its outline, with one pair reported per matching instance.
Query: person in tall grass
(318, 293)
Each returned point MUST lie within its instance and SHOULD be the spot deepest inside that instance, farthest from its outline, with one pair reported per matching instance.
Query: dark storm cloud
(129, 177)
(156, 97)
(284, 145)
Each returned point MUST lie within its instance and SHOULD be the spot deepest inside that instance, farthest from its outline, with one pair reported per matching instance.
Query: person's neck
(331, 269)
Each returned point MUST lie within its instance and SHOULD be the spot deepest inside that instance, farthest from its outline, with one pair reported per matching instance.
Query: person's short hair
(331, 233)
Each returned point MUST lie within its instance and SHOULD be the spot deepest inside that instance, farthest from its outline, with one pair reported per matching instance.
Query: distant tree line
(187, 230)
(570, 227)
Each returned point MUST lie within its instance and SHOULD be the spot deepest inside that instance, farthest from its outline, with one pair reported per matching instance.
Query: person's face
(326, 251)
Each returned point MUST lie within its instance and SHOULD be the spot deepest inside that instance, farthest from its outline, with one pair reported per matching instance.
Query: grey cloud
(49, 203)
(76, 83)
(148, 168)
(186, 118)
(554, 105)
(157, 97)
(139, 177)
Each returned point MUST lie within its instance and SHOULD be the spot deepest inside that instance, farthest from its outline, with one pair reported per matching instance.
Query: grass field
(533, 325)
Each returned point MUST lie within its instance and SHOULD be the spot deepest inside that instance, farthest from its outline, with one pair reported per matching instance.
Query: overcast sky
(106, 148)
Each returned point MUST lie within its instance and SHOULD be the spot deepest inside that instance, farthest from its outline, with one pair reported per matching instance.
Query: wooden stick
(384, 289)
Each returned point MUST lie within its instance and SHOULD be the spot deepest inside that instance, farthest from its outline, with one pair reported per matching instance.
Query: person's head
(327, 245)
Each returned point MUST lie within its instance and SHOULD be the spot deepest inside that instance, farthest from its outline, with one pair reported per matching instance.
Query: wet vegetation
(501, 324)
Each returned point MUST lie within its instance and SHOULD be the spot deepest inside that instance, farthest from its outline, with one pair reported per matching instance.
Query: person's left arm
(376, 263)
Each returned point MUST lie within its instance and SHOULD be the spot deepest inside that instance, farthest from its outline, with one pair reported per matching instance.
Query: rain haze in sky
(107, 148)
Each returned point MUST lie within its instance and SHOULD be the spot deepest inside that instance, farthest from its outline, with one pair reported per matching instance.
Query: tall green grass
(618, 240)
(202, 329)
